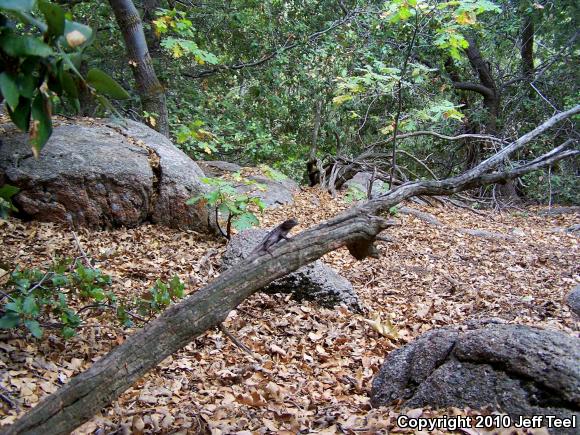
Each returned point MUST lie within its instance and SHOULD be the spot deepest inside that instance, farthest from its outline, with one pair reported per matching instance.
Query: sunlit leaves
(341, 99)
(179, 47)
(450, 39)
(183, 44)
(192, 137)
(440, 110)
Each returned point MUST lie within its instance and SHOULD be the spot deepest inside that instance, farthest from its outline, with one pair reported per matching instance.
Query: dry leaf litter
(316, 365)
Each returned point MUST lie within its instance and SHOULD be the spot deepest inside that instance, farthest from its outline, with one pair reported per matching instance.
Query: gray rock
(104, 175)
(573, 300)
(217, 168)
(361, 181)
(315, 281)
(515, 369)
(274, 193)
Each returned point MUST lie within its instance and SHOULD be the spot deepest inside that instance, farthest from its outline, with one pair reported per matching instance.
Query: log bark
(151, 92)
(87, 393)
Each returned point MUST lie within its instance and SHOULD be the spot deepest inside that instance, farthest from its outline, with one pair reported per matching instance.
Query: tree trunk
(151, 92)
(527, 53)
(527, 48)
(491, 95)
(312, 168)
(87, 393)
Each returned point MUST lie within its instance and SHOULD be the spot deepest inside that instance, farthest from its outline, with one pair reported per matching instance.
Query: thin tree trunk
(527, 49)
(527, 52)
(151, 92)
(357, 228)
(312, 166)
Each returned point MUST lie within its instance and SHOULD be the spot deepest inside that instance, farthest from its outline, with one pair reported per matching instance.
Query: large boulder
(516, 369)
(104, 175)
(273, 192)
(573, 300)
(315, 281)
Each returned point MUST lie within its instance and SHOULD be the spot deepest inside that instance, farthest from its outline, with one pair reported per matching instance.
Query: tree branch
(475, 87)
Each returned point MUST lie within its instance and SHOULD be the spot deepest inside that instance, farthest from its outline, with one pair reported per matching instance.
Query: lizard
(277, 234)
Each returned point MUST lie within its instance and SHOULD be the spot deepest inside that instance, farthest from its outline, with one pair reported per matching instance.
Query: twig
(39, 283)
(234, 340)
(6, 398)
(111, 307)
(77, 241)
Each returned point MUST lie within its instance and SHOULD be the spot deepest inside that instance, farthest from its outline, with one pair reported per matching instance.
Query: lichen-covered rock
(104, 175)
(315, 281)
(515, 369)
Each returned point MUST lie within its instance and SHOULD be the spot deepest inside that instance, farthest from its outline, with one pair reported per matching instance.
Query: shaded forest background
(335, 82)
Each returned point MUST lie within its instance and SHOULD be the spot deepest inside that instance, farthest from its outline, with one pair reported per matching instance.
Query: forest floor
(316, 364)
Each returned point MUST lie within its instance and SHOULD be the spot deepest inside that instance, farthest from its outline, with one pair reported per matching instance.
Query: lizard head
(289, 224)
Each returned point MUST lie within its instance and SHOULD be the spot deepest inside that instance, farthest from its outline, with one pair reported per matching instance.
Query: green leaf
(26, 85)
(15, 306)
(21, 115)
(9, 89)
(68, 332)
(69, 85)
(193, 200)
(30, 306)
(97, 294)
(41, 128)
(54, 16)
(404, 13)
(17, 5)
(23, 46)
(176, 287)
(245, 221)
(106, 85)
(34, 328)
(7, 191)
(9, 320)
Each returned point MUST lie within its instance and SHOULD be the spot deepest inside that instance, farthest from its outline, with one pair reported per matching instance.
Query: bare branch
(440, 136)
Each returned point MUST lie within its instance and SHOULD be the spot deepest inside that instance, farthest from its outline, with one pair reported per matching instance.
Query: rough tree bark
(486, 86)
(491, 100)
(151, 92)
(527, 53)
(356, 228)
